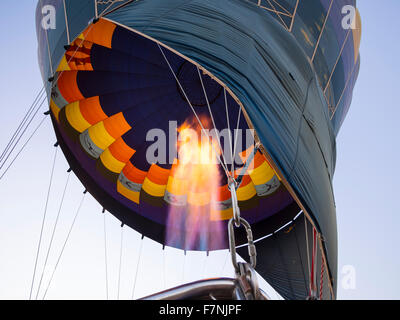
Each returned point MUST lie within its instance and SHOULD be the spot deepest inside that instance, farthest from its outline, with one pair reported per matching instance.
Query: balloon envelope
(289, 71)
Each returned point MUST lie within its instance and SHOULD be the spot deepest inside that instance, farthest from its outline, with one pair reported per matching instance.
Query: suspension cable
(192, 108)
(43, 223)
(244, 169)
(22, 123)
(212, 118)
(312, 293)
(105, 250)
(236, 137)
(229, 130)
(66, 22)
(53, 233)
(321, 284)
(21, 133)
(55, 81)
(25, 123)
(48, 45)
(137, 267)
(110, 2)
(22, 148)
(315, 261)
(203, 273)
(45, 212)
(96, 10)
(65, 244)
(184, 265)
(308, 250)
(16, 137)
(164, 268)
(120, 259)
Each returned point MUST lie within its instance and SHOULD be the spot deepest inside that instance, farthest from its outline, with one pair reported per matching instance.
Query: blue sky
(367, 170)
(365, 183)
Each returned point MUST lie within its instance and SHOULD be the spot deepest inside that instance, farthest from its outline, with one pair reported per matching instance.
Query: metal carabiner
(232, 243)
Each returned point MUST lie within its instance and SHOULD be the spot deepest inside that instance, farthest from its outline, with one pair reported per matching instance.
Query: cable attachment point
(235, 206)
(247, 165)
(248, 287)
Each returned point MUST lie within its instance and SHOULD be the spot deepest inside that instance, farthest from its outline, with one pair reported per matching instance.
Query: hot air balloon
(271, 80)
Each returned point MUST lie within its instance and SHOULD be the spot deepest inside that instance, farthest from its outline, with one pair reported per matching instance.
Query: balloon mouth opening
(115, 106)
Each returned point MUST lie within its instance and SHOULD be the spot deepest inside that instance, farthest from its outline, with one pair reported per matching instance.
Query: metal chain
(250, 243)
(246, 277)
(239, 221)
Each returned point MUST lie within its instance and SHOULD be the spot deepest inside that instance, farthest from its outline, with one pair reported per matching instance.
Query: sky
(365, 187)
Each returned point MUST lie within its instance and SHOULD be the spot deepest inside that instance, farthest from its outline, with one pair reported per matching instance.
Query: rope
(204, 266)
(22, 123)
(43, 222)
(116, 8)
(137, 268)
(66, 22)
(105, 250)
(229, 128)
(7, 153)
(313, 270)
(17, 136)
(212, 118)
(308, 251)
(184, 265)
(191, 106)
(22, 148)
(15, 143)
(53, 234)
(74, 53)
(316, 261)
(164, 269)
(321, 284)
(96, 10)
(48, 45)
(120, 259)
(64, 244)
(243, 171)
(110, 2)
(236, 137)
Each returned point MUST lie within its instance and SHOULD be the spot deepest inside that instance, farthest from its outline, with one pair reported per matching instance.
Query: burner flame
(195, 176)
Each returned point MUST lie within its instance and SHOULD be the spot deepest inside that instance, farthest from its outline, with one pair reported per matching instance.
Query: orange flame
(196, 168)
